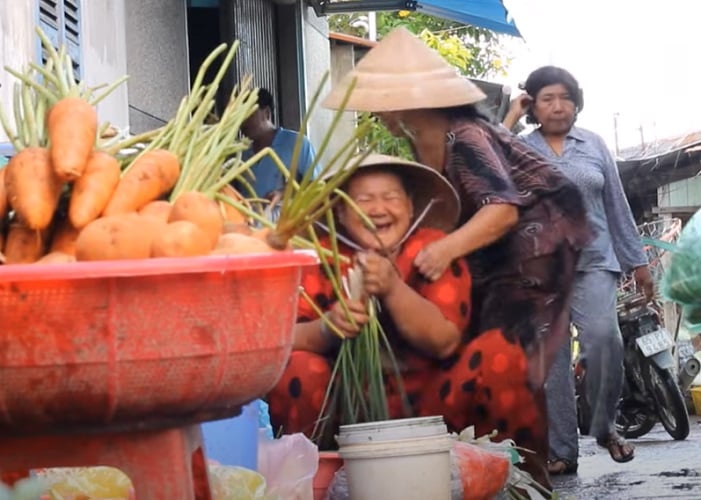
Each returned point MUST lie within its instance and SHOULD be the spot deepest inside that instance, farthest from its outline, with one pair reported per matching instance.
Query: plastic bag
(682, 281)
(107, 483)
(289, 465)
(483, 473)
(236, 482)
(87, 482)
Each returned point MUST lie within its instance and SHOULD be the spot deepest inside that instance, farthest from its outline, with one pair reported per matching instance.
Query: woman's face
(383, 199)
(554, 108)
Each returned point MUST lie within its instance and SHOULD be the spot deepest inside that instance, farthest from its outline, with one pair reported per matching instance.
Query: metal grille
(257, 56)
(60, 20)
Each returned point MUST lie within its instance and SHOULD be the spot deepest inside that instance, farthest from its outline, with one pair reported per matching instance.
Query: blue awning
(490, 14)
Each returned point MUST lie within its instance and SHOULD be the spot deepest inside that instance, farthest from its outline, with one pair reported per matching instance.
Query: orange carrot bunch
(75, 192)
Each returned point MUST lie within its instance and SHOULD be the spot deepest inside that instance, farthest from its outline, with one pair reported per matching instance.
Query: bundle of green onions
(211, 156)
(356, 391)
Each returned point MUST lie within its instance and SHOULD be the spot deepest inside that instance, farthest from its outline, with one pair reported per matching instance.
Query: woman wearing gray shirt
(552, 100)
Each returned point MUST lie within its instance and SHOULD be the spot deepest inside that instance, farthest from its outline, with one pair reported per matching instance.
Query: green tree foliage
(474, 52)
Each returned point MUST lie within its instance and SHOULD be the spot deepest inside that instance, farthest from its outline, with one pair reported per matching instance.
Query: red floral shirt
(451, 293)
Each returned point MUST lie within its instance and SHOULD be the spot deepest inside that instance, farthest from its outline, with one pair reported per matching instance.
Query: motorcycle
(651, 392)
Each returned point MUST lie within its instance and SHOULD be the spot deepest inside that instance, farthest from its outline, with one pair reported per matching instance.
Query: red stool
(162, 465)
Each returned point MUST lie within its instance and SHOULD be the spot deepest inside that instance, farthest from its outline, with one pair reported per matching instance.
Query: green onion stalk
(356, 391)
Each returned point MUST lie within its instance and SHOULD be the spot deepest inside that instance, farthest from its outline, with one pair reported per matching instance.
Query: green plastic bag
(682, 281)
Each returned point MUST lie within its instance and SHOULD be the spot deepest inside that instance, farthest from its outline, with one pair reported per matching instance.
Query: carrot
(33, 189)
(24, 245)
(236, 243)
(150, 176)
(275, 241)
(159, 209)
(124, 236)
(3, 194)
(230, 213)
(92, 190)
(64, 238)
(56, 258)
(181, 239)
(233, 227)
(72, 130)
(202, 211)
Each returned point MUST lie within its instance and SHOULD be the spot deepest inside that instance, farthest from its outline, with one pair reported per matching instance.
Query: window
(60, 20)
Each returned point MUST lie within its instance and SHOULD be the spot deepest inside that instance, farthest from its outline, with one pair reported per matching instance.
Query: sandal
(562, 466)
(617, 446)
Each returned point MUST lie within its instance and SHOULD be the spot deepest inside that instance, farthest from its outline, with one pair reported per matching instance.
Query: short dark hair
(265, 99)
(552, 75)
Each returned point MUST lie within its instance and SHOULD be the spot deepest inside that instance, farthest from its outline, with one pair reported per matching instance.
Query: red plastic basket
(142, 344)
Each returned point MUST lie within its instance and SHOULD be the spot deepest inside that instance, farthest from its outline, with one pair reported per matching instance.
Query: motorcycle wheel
(632, 424)
(671, 407)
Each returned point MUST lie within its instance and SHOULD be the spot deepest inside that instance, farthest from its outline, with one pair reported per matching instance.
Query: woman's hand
(644, 282)
(434, 259)
(380, 276)
(517, 109)
(338, 318)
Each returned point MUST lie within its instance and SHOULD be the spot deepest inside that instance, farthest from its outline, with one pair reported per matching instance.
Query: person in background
(259, 127)
(521, 226)
(552, 101)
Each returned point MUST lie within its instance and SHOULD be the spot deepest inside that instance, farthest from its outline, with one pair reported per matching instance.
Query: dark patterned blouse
(450, 293)
(489, 165)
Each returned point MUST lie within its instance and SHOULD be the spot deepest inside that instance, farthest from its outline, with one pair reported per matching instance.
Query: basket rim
(156, 266)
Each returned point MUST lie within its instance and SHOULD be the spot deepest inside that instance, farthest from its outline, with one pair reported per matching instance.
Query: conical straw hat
(402, 72)
(426, 186)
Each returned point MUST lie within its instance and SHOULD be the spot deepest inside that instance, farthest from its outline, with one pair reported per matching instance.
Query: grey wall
(157, 64)
(317, 61)
(104, 55)
(17, 46)
(342, 61)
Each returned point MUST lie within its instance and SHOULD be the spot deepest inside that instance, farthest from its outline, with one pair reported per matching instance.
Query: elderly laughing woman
(443, 371)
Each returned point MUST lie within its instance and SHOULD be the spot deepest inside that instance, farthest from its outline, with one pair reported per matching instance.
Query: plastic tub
(402, 459)
(143, 344)
(234, 441)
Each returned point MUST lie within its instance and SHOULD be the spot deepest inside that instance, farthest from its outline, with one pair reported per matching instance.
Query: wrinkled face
(383, 199)
(555, 109)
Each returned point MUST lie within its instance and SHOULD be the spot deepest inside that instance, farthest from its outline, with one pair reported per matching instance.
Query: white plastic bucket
(406, 459)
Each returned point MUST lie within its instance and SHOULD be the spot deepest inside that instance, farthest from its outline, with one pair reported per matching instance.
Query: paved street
(663, 468)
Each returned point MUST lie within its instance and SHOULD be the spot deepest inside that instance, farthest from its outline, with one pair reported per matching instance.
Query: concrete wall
(17, 46)
(342, 61)
(157, 62)
(104, 55)
(317, 60)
